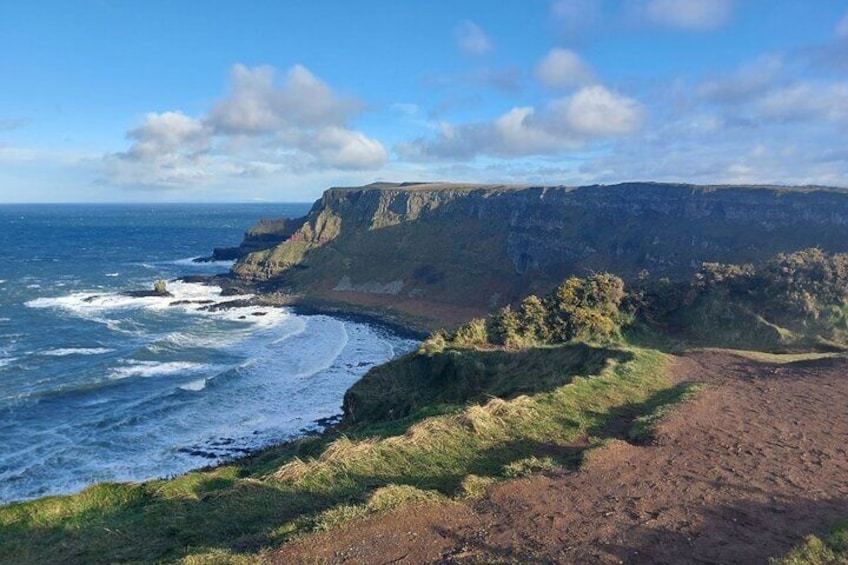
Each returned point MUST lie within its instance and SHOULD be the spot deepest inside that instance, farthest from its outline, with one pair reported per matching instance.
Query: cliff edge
(450, 251)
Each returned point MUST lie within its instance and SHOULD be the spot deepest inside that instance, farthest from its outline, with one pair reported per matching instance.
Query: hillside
(740, 475)
(560, 392)
(450, 251)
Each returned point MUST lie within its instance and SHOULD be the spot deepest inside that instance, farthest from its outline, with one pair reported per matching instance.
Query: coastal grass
(229, 514)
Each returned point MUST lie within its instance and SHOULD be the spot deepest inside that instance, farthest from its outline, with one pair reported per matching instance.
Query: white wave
(194, 386)
(2, 281)
(193, 299)
(85, 303)
(5, 319)
(201, 338)
(297, 329)
(65, 351)
(260, 317)
(190, 261)
(112, 274)
(34, 285)
(7, 361)
(155, 368)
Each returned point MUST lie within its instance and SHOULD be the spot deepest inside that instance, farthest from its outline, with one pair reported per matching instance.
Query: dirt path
(741, 474)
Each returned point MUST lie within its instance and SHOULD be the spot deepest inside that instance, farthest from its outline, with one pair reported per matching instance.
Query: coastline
(404, 324)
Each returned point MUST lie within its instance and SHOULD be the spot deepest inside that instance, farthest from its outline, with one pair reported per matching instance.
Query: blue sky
(107, 101)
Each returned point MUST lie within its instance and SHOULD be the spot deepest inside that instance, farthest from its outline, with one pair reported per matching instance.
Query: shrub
(436, 343)
(586, 308)
(505, 328)
(471, 334)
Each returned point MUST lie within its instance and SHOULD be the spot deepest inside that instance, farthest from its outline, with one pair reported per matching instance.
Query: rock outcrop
(482, 246)
(264, 235)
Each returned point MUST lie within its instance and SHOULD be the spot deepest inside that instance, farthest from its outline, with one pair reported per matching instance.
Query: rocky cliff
(422, 247)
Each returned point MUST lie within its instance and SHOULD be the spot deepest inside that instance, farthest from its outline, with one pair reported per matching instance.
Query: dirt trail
(739, 475)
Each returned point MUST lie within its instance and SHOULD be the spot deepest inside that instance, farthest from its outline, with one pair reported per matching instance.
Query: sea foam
(155, 369)
(65, 351)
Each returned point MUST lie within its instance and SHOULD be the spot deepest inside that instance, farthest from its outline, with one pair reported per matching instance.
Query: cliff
(449, 251)
(264, 235)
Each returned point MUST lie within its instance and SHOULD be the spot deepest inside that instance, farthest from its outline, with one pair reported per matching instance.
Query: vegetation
(527, 390)
(317, 482)
(798, 298)
(578, 309)
(832, 550)
(793, 299)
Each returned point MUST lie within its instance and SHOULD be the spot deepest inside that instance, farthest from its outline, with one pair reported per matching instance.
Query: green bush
(471, 334)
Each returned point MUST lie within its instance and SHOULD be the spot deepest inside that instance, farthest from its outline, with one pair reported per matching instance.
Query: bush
(471, 334)
(586, 308)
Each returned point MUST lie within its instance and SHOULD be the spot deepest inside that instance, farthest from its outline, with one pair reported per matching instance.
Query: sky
(214, 101)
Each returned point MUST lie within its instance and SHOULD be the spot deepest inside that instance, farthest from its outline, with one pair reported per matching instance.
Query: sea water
(98, 386)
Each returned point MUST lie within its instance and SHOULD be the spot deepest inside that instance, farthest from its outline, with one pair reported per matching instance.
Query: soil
(742, 473)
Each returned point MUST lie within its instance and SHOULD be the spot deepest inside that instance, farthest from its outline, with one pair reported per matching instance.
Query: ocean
(99, 386)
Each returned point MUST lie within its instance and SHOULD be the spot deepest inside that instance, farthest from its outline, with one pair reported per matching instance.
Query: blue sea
(99, 386)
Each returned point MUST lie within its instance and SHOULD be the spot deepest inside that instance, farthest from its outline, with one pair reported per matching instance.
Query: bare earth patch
(739, 475)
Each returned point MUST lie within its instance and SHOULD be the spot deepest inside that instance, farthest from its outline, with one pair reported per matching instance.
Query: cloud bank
(567, 123)
(260, 127)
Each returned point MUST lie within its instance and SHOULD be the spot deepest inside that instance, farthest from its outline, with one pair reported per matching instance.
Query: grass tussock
(529, 466)
(382, 500)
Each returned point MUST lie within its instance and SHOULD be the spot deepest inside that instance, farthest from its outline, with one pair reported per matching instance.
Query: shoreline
(322, 426)
(400, 323)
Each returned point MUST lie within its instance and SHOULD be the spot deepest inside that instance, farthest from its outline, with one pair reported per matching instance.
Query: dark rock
(146, 293)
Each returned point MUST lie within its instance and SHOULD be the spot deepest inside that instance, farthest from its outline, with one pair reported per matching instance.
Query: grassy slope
(260, 502)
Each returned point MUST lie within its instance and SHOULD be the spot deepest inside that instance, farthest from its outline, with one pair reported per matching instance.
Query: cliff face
(481, 247)
(264, 235)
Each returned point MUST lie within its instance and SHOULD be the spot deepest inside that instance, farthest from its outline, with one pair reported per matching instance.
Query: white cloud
(167, 133)
(842, 26)
(259, 128)
(256, 105)
(689, 14)
(563, 68)
(472, 40)
(594, 112)
(572, 122)
(337, 147)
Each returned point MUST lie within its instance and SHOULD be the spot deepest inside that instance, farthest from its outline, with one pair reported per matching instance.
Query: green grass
(779, 358)
(232, 512)
(831, 550)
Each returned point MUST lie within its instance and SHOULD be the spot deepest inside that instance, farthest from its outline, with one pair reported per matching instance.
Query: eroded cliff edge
(451, 251)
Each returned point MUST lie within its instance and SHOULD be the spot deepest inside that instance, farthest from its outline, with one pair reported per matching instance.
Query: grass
(230, 513)
(832, 550)
(779, 358)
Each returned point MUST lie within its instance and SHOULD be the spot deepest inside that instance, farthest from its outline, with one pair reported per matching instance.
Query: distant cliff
(426, 248)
